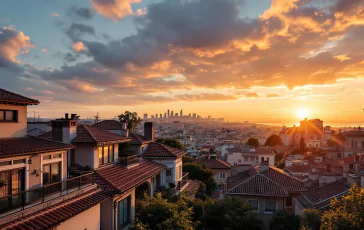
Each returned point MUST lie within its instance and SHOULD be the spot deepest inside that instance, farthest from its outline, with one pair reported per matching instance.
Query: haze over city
(242, 60)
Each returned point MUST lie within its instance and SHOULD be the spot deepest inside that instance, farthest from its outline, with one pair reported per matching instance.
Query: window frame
(15, 115)
(110, 149)
(256, 210)
(126, 200)
(265, 207)
(222, 173)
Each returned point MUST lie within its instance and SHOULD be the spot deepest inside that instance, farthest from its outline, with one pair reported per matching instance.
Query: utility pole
(97, 118)
(33, 114)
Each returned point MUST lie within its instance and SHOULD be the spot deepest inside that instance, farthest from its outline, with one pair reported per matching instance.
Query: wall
(89, 219)
(171, 164)
(84, 155)
(14, 129)
(217, 175)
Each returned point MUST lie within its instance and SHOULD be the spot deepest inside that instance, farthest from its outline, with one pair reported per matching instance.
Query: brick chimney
(124, 129)
(149, 131)
(64, 129)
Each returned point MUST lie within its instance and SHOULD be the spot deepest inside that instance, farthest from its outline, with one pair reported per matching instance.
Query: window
(289, 201)
(270, 206)
(252, 158)
(14, 183)
(59, 155)
(123, 211)
(21, 161)
(168, 172)
(262, 160)
(222, 176)
(8, 115)
(51, 173)
(73, 156)
(106, 154)
(246, 159)
(48, 157)
(254, 204)
(4, 163)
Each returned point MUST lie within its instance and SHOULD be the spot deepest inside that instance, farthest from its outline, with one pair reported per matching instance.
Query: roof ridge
(275, 169)
(164, 146)
(16, 94)
(51, 140)
(89, 132)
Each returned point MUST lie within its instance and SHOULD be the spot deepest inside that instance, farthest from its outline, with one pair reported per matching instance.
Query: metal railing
(44, 193)
(128, 160)
(182, 182)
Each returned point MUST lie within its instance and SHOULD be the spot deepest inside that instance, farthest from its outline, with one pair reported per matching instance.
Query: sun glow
(302, 113)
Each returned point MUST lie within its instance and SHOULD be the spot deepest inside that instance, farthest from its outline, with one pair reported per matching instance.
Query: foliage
(187, 159)
(201, 173)
(281, 164)
(282, 220)
(302, 144)
(157, 213)
(347, 214)
(253, 142)
(171, 185)
(131, 118)
(273, 140)
(171, 142)
(311, 219)
(230, 213)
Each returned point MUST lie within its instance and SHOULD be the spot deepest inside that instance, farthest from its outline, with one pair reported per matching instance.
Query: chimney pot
(66, 116)
(149, 131)
(73, 116)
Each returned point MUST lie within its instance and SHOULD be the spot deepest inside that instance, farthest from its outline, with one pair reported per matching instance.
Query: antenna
(97, 118)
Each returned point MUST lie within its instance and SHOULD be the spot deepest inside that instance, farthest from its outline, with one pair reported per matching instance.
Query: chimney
(264, 166)
(64, 129)
(149, 131)
(124, 129)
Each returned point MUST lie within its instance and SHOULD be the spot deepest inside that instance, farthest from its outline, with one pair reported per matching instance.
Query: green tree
(230, 214)
(302, 144)
(171, 142)
(311, 219)
(253, 141)
(202, 173)
(345, 214)
(282, 220)
(187, 159)
(273, 140)
(157, 213)
(131, 118)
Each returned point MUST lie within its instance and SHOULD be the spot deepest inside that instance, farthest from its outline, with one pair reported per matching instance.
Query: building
(145, 116)
(220, 168)
(350, 142)
(250, 156)
(267, 189)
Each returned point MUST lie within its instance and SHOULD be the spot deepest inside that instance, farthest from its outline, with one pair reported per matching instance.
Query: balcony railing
(43, 194)
(182, 182)
(128, 160)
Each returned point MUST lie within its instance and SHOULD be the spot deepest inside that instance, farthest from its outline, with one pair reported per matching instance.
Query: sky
(254, 60)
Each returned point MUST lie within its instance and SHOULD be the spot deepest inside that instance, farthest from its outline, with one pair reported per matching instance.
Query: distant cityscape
(179, 116)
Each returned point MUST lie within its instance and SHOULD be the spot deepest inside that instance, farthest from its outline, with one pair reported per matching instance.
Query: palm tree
(131, 118)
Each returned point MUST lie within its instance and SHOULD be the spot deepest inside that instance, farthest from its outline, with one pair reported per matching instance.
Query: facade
(251, 156)
(267, 189)
(220, 168)
(350, 142)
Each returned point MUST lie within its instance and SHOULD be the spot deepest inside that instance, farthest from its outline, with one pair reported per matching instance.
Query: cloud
(77, 30)
(78, 46)
(273, 95)
(54, 15)
(141, 11)
(251, 95)
(205, 97)
(45, 50)
(114, 9)
(80, 13)
(342, 57)
(12, 44)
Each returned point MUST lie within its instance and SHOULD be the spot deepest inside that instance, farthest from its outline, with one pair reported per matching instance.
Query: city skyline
(257, 60)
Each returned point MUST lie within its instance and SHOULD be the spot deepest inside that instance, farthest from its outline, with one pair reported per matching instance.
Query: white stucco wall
(14, 129)
(84, 155)
(89, 219)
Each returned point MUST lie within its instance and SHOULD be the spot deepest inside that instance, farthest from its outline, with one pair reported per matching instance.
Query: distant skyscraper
(176, 114)
(152, 116)
(168, 113)
(189, 114)
(160, 115)
(171, 113)
(156, 115)
(145, 116)
(181, 113)
(165, 115)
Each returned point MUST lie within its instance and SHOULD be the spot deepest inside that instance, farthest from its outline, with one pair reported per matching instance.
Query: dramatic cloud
(12, 44)
(206, 97)
(80, 13)
(273, 95)
(77, 30)
(114, 9)
(78, 46)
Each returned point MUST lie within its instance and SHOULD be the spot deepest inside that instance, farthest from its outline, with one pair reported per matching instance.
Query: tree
(253, 141)
(231, 214)
(311, 219)
(282, 220)
(131, 118)
(302, 144)
(273, 140)
(202, 173)
(157, 213)
(345, 214)
(187, 159)
(171, 142)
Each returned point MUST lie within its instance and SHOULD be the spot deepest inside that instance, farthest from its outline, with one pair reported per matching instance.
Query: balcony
(182, 182)
(128, 160)
(33, 197)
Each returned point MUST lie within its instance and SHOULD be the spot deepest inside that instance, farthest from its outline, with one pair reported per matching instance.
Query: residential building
(350, 142)
(220, 168)
(267, 189)
(251, 156)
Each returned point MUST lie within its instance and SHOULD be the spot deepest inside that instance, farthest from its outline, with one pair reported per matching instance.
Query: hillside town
(66, 173)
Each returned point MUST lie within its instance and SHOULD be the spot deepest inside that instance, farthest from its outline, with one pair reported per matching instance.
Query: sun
(302, 113)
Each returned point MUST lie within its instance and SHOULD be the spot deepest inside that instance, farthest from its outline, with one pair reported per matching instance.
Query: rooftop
(7, 97)
(108, 125)
(214, 163)
(28, 145)
(156, 149)
(137, 138)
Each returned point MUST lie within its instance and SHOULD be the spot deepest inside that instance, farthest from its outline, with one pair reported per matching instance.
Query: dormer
(13, 113)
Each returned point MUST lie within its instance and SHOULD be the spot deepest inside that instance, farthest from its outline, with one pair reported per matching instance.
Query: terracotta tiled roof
(320, 198)
(156, 149)
(299, 168)
(214, 163)
(54, 215)
(88, 134)
(10, 97)
(29, 144)
(119, 179)
(108, 125)
(137, 138)
(277, 178)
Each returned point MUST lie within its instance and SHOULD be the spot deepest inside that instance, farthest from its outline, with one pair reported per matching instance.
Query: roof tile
(156, 149)
(10, 97)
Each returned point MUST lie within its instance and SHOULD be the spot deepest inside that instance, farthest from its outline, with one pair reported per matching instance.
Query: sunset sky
(254, 60)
